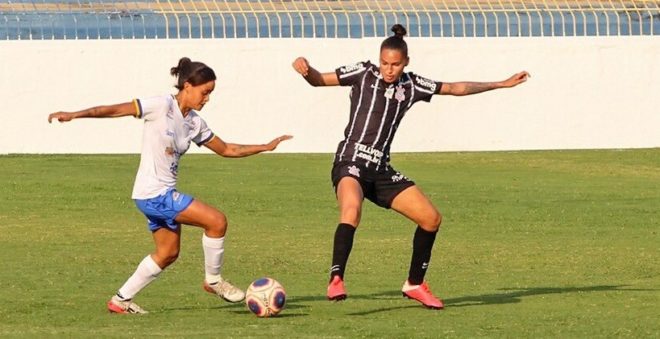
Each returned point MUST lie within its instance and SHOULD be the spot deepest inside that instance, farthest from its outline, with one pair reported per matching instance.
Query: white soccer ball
(265, 297)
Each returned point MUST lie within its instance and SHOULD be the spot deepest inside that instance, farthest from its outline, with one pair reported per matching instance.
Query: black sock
(422, 246)
(341, 249)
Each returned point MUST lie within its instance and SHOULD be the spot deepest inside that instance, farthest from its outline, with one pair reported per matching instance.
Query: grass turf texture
(533, 244)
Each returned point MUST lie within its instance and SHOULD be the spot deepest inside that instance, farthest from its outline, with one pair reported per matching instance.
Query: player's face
(392, 63)
(199, 95)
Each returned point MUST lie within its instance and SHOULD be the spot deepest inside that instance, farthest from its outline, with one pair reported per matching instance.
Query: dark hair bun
(183, 63)
(399, 31)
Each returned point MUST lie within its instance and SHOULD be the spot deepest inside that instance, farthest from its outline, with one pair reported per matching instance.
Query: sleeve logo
(426, 83)
(352, 68)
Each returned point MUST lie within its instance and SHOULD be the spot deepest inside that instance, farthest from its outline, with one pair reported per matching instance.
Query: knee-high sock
(422, 246)
(341, 249)
(214, 249)
(146, 272)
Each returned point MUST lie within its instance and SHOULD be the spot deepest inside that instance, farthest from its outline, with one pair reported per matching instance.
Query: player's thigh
(168, 244)
(202, 215)
(414, 205)
(167, 240)
(350, 197)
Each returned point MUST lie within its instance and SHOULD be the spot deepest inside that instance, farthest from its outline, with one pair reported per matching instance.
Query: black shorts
(380, 187)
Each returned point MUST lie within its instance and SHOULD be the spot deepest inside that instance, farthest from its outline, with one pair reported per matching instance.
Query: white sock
(214, 249)
(145, 273)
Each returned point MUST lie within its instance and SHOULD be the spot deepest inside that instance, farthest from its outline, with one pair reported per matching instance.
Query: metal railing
(145, 19)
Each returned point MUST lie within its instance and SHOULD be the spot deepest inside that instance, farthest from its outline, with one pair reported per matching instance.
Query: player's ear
(407, 61)
(187, 86)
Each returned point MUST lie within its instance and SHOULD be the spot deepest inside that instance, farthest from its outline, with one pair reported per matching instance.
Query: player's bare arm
(312, 76)
(109, 111)
(229, 150)
(468, 87)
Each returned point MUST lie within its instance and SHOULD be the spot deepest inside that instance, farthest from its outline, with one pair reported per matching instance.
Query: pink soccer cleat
(116, 305)
(336, 290)
(422, 294)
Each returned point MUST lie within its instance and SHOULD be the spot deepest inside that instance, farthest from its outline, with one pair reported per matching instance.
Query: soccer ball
(265, 297)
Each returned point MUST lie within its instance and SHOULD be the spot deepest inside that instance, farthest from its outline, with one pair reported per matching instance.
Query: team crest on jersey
(400, 94)
(352, 68)
(353, 170)
(424, 82)
(389, 92)
(169, 151)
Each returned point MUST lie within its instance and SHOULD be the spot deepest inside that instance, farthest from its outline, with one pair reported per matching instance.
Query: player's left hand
(516, 79)
(273, 144)
(60, 116)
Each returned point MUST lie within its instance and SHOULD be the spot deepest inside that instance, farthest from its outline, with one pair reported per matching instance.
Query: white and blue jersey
(166, 137)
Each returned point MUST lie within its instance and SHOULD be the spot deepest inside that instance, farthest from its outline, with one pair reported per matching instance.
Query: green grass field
(533, 244)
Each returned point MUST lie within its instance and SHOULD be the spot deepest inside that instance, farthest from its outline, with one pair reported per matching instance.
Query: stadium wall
(585, 92)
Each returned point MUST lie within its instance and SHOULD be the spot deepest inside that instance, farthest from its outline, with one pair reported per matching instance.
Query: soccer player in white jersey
(171, 122)
(380, 97)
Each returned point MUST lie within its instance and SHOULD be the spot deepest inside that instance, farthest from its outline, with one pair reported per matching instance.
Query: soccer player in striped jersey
(380, 96)
(171, 123)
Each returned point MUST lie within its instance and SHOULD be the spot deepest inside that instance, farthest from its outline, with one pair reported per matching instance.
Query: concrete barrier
(585, 92)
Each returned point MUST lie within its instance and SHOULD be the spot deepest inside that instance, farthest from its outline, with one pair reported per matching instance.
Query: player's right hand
(516, 79)
(271, 146)
(301, 65)
(60, 116)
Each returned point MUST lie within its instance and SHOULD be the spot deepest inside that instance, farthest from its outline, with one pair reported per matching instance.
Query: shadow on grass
(284, 314)
(515, 295)
(240, 308)
(221, 306)
(510, 296)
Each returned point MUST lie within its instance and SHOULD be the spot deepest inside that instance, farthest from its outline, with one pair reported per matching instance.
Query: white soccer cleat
(225, 290)
(116, 305)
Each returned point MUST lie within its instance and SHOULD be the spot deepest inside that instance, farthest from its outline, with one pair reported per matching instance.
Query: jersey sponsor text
(426, 83)
(351, 68)
(367, 153)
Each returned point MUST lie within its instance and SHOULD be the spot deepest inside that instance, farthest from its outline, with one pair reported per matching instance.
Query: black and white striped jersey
(376, 111)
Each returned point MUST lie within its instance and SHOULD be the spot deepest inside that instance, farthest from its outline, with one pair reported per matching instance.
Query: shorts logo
(353, 170)
(176, 196)
(398, 177)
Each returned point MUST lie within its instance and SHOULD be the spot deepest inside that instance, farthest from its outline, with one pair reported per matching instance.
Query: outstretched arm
(229, 150)
(467, 88)
(110, 111)
(314, 77)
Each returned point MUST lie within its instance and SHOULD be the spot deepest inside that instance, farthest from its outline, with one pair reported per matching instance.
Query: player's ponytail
(192, 72)
(396, 41)
(399, 31)
(183, 62)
